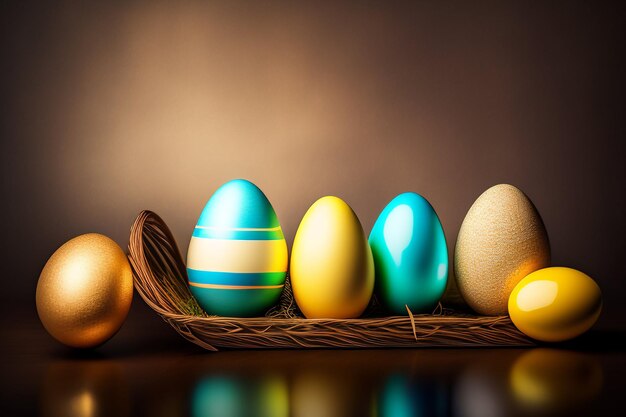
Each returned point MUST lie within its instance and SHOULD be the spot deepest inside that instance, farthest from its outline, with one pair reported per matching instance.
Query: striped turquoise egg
(237, 257)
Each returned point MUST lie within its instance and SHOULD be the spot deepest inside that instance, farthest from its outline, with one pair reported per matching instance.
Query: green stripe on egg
(237, 279)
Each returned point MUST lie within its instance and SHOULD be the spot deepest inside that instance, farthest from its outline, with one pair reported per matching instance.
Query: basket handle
(159, 273)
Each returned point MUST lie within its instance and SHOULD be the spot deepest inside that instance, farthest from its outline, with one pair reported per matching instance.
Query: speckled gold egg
(502, 239)
(85, 291)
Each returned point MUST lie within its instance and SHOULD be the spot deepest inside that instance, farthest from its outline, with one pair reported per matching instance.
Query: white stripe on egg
(243, 256)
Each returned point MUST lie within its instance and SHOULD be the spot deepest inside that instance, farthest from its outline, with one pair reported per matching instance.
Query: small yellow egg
(85, 291)
(555, 304)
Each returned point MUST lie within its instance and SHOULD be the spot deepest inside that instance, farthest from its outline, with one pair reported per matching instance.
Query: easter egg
(332, 270)
(237, 257)
(84, 291)
(555, 304)
(502, 239)
(410, 255)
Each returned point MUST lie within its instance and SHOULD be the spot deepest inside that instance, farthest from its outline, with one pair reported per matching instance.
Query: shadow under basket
(160, 278)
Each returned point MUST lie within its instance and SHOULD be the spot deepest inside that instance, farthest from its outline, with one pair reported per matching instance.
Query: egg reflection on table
(404, 396)
(480, 392)
(551, 380)
(85, 389)
(328, 393)
(237, 396)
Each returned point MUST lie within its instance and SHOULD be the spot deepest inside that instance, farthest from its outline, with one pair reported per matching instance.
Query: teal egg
(237, 258)
(410, 255)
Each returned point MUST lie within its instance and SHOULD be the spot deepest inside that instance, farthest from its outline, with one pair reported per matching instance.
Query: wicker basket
(160, 278)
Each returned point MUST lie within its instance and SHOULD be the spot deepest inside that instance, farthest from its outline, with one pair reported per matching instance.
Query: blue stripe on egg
(235, 278)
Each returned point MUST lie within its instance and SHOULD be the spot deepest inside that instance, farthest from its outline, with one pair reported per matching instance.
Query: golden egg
(502, 239)
(85, 291)
(555, 304)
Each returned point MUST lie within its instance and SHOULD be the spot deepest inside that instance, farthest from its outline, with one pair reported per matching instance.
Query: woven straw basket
(161, 279)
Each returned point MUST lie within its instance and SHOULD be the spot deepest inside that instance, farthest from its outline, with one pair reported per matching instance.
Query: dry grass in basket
(160, 278)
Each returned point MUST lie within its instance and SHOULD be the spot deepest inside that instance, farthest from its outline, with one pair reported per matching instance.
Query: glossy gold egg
(555, 304)
(85, 291)
(502, 239)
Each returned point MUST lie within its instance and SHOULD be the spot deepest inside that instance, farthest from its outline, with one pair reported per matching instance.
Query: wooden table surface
(148, 369)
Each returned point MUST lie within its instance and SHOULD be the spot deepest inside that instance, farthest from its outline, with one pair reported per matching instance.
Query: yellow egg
(555, 304)
(332, 269)
(85, 291)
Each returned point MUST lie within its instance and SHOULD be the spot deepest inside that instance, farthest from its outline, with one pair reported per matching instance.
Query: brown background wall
(112, 108)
